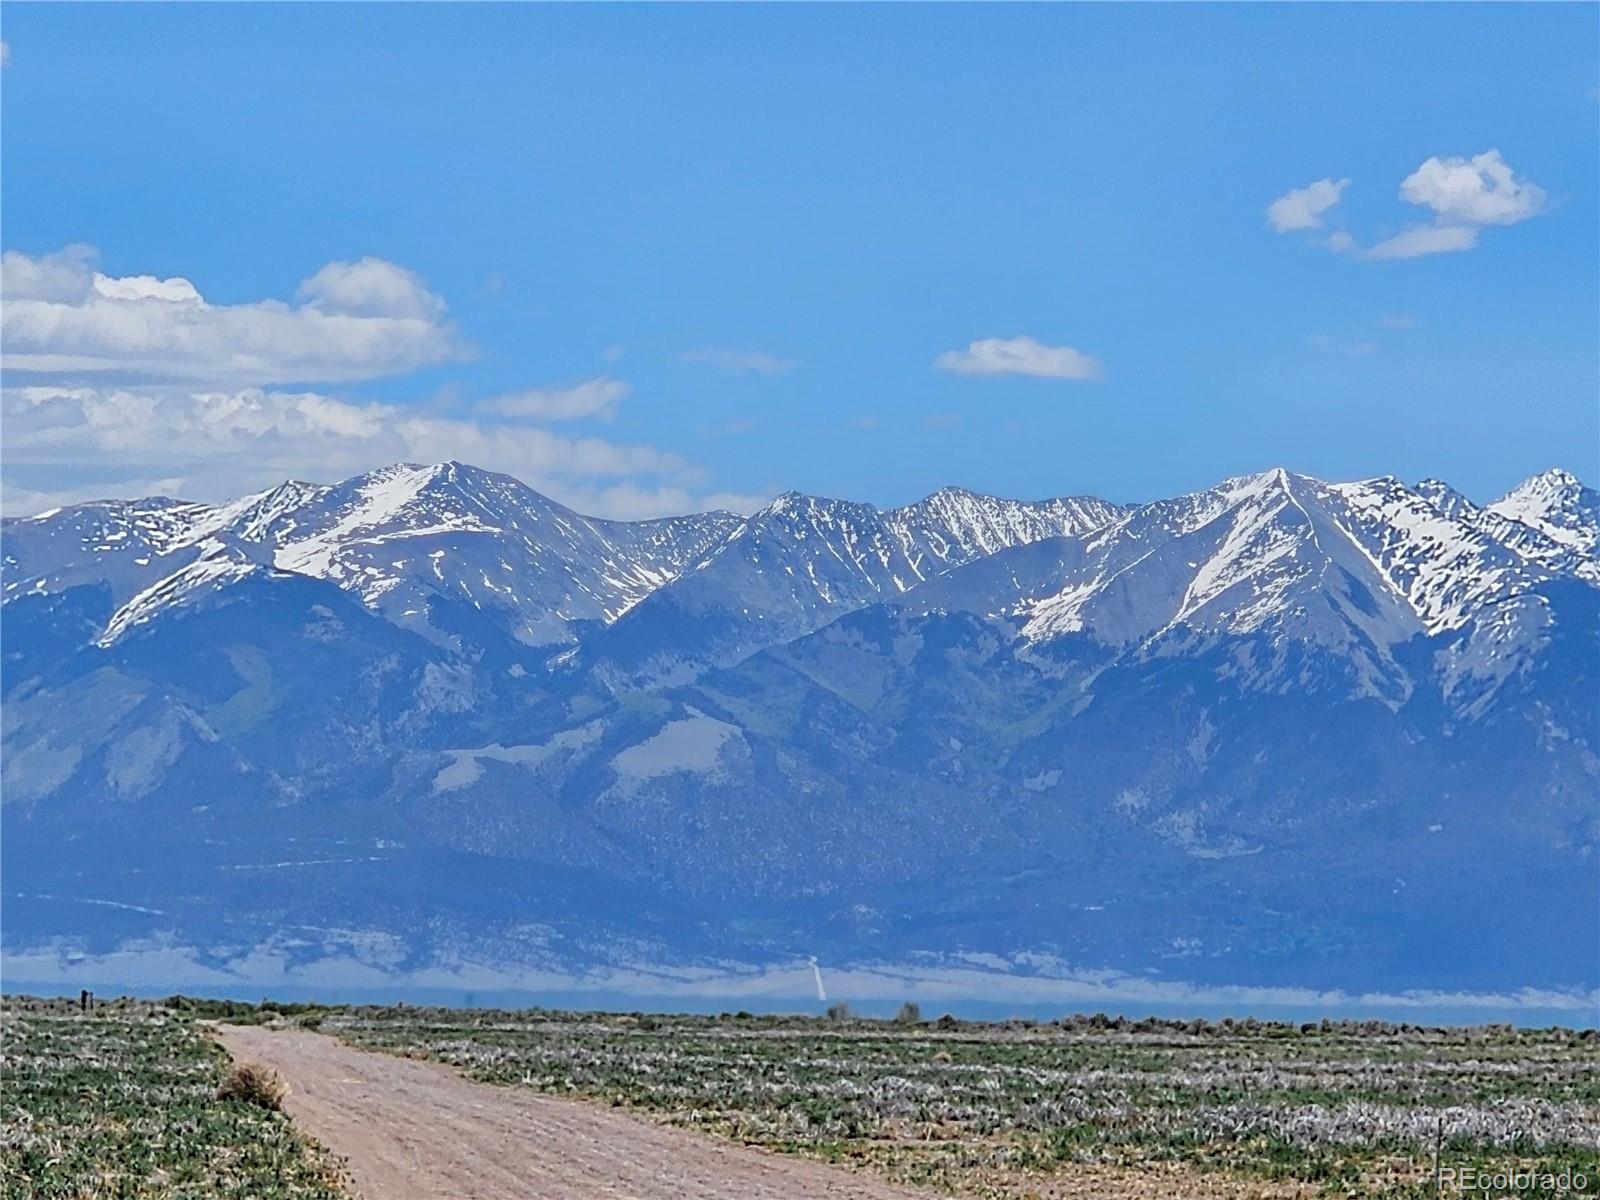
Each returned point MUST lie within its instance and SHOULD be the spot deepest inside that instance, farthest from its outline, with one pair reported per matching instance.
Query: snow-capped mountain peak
(1357, 569)
(402, 538)
(1374, 561)
(1558, 505)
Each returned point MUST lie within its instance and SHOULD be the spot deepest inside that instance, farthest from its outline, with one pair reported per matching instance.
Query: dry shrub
(254, 1084)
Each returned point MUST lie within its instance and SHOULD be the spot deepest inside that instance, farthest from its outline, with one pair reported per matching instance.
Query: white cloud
(370, 288)
(136, 384)
(1019, 356)
(1465, 195)
(1303, 208)
(739, 362)
(5, 53)
(23, 501)
(596, 397)
(61, 319)
(1422, 240)
(210, 445)
(66, 276)
(1398, 320)
(1481, 190)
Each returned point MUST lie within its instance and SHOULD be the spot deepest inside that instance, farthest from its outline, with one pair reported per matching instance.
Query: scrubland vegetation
(125, 1101)
(1336, 1109)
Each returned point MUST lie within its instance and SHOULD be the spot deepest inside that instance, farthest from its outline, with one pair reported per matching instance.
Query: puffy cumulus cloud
(1466, 196)
(370, 288)
(1019, 356)
(62, 319)
(1481, 190)
(66, 276)
(596, 397)
(210, 445)
(739, 362)
(1303, 208)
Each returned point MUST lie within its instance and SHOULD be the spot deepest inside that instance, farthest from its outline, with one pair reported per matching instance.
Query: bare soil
(413, 1130)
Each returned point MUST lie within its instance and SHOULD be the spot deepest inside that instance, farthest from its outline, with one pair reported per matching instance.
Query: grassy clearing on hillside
(121, 1103)
(1002, 1110)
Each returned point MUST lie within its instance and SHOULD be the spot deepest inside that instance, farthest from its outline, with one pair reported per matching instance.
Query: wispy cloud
(1398, 320)
(1420, 241)
(61, 318)
(1303, 208)
(1020, 356)
(739, 362)
(1358, 349)
(596, 397)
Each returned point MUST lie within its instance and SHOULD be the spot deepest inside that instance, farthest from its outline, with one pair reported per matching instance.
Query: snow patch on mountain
(219, 563)
(465, 766)
(694, 743)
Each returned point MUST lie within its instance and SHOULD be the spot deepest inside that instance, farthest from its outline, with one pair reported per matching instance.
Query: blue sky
(649, 258)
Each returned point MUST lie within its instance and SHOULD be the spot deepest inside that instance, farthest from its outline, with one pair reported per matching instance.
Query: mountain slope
(803, 561)
(426, 721)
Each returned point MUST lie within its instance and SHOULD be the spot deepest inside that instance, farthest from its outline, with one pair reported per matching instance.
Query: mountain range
(427, 724)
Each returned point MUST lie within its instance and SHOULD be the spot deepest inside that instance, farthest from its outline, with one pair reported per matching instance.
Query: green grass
(118, 1105)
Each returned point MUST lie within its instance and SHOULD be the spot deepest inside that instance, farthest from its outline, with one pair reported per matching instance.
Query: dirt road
(419, 1131)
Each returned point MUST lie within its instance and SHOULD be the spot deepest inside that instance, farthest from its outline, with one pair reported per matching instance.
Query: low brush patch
(255, 1084)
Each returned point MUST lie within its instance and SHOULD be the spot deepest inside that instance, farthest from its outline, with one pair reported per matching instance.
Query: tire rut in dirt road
(413, 1130)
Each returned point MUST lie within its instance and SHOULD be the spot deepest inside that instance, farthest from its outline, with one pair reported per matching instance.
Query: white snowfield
(1367, 564)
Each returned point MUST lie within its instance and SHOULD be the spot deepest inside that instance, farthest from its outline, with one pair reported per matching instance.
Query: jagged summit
(1557, 504)
(409, 537)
